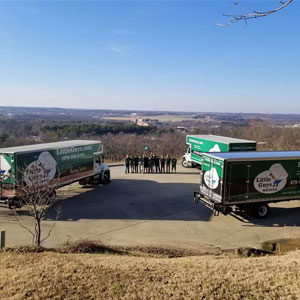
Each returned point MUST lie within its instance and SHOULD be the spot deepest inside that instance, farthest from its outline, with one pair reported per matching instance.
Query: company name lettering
(196, 142)
(73, 150)
(265, 182)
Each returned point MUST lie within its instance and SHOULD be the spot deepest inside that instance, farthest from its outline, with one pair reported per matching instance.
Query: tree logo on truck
(212, 178)
(215, 148)
(272, 180)
(40, 171)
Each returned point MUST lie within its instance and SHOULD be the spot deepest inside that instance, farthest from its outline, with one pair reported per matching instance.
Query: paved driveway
(152, 209)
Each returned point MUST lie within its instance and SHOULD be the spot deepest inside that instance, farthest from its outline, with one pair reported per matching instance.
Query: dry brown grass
(104, 276)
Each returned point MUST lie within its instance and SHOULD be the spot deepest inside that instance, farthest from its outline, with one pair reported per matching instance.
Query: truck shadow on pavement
(279, 217)
(135, 200)
(131, 199)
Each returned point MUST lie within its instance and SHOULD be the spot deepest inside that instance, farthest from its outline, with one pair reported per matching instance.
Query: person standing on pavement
(162, 164)
(141, 163)
(151, 163)
(156, 161)
(146, 164)
(126, 163)
(136, 164)
(168, 163)
(174, 162)
(132, 163)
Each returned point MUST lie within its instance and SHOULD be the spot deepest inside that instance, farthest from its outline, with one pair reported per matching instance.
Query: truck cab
(101, 169)
(186, 159)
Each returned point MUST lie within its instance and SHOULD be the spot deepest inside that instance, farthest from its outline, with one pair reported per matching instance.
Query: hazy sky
(152, 55)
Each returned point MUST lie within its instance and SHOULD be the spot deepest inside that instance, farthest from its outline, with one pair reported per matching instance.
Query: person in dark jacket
(156, 161)
(136, 164)
(146, 164)
(168, 163)
(174, 162)
(126, 163)
(162, 164)
(151, 163)
(141, 164)
(131, 160)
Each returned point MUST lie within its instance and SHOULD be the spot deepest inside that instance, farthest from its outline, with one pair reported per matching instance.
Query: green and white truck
(248, 181)
(55, 164)
(199, 144)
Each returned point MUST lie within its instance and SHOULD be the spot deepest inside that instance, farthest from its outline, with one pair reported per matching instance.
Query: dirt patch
(281, 245)
(251, 252)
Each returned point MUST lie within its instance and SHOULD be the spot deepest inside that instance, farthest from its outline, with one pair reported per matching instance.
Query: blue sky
(151, 55)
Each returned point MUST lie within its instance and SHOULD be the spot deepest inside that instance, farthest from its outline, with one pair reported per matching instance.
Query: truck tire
(82, 181)
(106, 177)
(185, 164)
(261, 210)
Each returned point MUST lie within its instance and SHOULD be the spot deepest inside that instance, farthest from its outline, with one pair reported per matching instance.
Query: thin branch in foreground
(58, 213)
(22, 225)
(254, 15)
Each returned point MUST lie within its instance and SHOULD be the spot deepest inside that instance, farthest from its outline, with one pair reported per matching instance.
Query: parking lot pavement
(151, 209)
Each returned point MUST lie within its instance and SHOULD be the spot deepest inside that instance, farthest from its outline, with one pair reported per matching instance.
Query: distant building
(293, 126)
(36, 138)
(140, 122)
(181, 128)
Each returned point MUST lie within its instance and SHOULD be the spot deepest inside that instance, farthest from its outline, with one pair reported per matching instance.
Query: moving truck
(55, 164)
(248, 181)
(199, 144)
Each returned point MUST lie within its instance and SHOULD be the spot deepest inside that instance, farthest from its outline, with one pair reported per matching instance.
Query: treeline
(78, 130)
(116, 147)
(120, 139)
(271, 137)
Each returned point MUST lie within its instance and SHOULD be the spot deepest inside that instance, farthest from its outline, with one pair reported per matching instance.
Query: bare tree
(38, 196)
(254, 14)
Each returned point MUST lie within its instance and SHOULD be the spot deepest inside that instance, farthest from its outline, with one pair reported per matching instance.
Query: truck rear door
(238, 181)
(212, 179)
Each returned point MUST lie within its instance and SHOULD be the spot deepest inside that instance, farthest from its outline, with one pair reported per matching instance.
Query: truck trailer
(248, 181)
(199, 144)
(55, 164)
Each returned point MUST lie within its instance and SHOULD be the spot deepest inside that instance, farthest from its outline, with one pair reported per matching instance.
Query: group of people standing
(150, 164)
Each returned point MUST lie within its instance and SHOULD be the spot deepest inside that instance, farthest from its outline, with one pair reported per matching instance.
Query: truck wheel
(261, 210)
(185, 163)
(106, 177)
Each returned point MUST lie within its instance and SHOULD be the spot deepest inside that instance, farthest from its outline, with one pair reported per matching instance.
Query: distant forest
(121, 138)
(77, 130)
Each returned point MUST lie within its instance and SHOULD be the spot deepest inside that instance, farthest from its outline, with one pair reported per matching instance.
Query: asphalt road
(151, 209)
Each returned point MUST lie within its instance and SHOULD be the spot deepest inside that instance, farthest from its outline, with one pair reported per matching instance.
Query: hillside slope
(107, 276)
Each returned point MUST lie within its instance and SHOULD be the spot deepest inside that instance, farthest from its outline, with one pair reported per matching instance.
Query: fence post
(2, 239)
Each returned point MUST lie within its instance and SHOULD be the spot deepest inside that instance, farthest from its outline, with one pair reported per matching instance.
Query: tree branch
(58, 213)
(254, 15)
(21, 225)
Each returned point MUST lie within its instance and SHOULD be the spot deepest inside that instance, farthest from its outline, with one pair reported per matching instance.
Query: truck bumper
(11, 203)
(215, 207)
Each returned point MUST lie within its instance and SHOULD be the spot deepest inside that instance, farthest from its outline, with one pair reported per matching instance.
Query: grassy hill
(111, 276)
